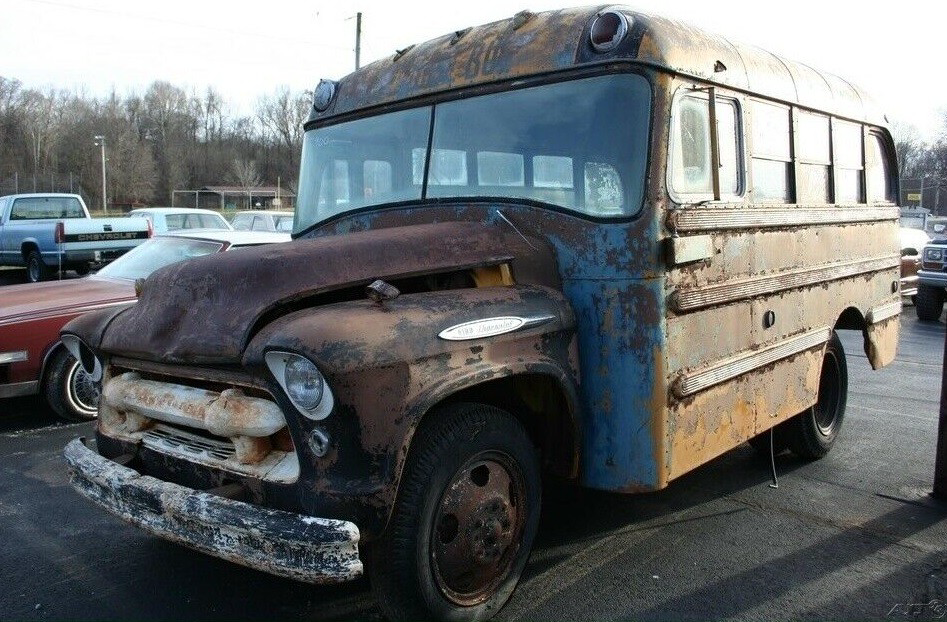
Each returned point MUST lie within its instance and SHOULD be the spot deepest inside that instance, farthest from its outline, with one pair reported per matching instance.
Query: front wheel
(929, 303)
(464, 521)
(69, 390)
(812, 433)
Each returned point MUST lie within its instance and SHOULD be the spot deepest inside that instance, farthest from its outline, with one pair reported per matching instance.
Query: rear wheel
(69, 390)
(83, 269)
(812, 433)
(36, 270)
(929, 303)
(464, 521)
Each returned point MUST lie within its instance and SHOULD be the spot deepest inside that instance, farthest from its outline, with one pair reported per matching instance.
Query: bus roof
(529, 44)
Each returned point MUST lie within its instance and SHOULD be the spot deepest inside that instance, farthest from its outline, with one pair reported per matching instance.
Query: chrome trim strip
(17, 389)
(691, 382)
(690, 298)
(702, 218)
(491, 327)
(883, 312)
(14, 356)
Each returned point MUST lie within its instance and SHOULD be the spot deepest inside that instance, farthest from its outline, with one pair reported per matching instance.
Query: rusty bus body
(636, 318)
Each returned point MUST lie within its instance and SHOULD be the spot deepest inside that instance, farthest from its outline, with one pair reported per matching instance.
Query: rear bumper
(93, 256)
(934, 279)
(305, 548)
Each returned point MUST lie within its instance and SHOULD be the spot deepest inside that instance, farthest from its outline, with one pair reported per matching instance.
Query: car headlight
(934, 254)
(303, 383)
(84, 354)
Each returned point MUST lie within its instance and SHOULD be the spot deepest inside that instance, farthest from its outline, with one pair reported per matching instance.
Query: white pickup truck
(51, 232)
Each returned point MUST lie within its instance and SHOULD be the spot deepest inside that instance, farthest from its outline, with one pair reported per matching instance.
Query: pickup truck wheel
(36, 270)
(929, 303)
(464, 520)
(812, 433)
(70, 391)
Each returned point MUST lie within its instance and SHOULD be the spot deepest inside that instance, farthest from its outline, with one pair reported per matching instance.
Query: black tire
(36, 270)
(69, 391)
(812, 433)
(929, 303)
(83, 269)
(445, 560)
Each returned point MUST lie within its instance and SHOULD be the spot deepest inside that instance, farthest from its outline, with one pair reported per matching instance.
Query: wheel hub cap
(477, 528)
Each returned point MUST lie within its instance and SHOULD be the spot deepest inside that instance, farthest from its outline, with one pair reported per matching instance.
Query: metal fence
(19, 183)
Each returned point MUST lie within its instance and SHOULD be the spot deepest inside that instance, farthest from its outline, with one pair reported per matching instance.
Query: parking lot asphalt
(852, 536)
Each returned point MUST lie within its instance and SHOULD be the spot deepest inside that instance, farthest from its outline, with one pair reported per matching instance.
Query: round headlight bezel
(288, 369)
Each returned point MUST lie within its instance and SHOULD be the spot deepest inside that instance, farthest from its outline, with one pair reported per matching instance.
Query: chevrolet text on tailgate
(589, 242)
(49, 233)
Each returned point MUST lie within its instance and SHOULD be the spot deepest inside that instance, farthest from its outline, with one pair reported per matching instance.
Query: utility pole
(358, 39)
(100, 141)
(936, 209)
(940, 458)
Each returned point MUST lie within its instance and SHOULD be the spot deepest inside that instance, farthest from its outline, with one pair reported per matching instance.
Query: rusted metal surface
(558, 40)
(387, 367)
(205, 310)
(228, 413)
(304, 548)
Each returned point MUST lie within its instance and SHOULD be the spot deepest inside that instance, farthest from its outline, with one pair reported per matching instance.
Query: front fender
(90, 327)
(387, 366)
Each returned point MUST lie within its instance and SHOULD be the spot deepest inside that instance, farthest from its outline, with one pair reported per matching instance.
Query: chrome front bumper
(305, 548)
(934, 279)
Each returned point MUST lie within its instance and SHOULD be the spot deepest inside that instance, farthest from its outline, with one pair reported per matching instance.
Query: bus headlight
(303, 383)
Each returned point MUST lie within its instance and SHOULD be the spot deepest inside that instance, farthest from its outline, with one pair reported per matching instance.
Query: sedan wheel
(70, 391)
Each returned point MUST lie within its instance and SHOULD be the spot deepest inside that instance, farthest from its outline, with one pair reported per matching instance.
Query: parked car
(260, 220)
(50, 232)
(913, 242)
(32, 359)
(165, 219)
(932, 280)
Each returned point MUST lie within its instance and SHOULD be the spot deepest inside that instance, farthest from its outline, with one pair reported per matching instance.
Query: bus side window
(691, 160)
(880, 166)
(376, 178)
(690, 147)
(334, 188)
(772, 164)
(847, 158)
(603, 191)
(814, 157)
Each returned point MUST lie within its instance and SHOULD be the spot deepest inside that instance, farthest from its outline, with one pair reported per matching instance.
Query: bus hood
(205, 311)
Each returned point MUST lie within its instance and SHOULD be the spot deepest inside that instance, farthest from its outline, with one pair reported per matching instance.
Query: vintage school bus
(593, 242)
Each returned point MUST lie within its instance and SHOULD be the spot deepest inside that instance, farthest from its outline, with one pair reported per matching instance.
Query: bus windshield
(579, 145)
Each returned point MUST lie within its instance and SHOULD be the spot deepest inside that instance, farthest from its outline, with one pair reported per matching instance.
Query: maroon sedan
(33, 360)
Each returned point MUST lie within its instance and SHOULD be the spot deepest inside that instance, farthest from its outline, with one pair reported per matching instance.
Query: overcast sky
(246, 49)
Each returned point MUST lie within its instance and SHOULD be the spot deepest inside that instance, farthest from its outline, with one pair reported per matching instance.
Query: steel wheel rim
(82, 392)
(825, 410)
(476, 532)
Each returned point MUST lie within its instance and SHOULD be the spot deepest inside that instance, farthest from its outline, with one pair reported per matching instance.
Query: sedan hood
(20, 303)
(205, 311)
